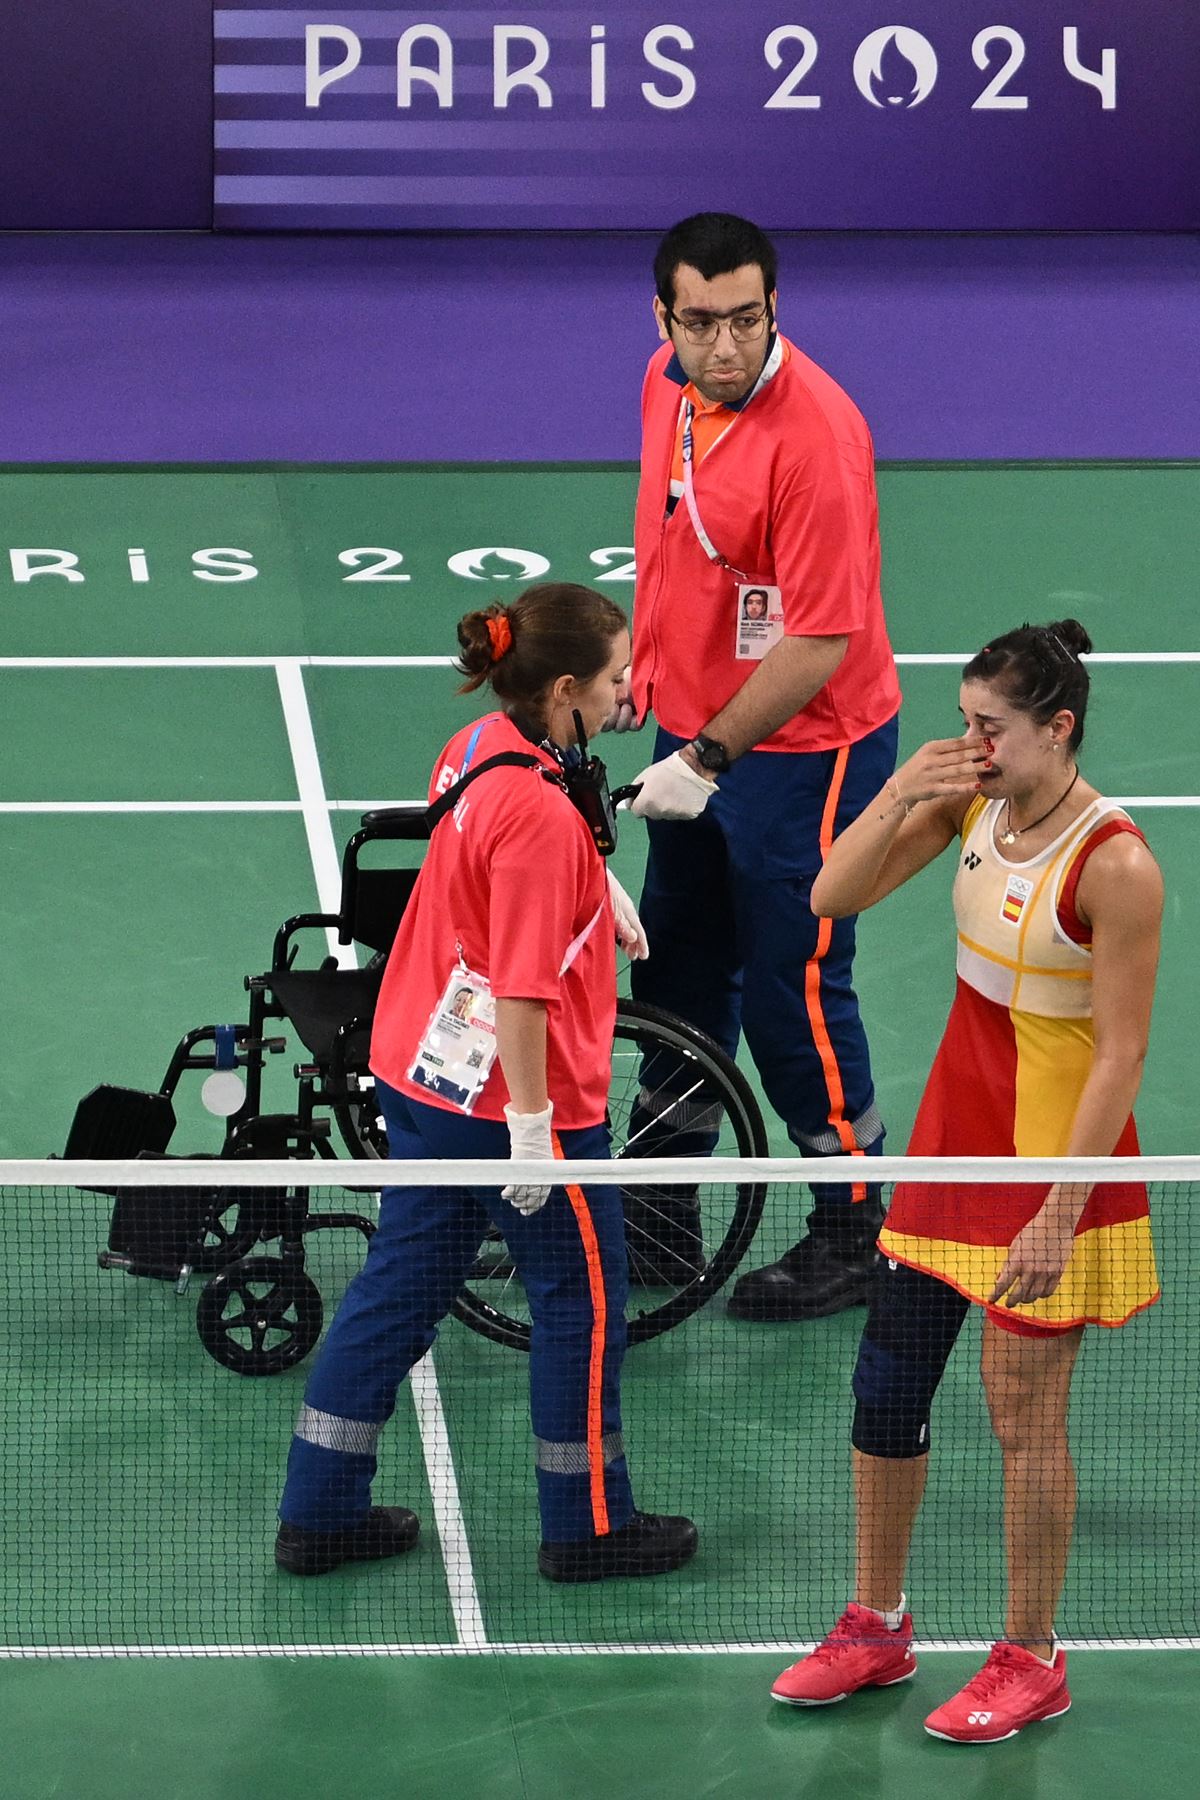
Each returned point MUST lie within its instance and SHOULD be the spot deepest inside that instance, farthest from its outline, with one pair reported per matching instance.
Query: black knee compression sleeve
(909, 1334)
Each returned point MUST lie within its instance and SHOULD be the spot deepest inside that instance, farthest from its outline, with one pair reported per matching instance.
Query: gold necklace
(1009, 836)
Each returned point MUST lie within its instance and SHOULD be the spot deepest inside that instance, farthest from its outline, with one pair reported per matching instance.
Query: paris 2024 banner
(826, 114)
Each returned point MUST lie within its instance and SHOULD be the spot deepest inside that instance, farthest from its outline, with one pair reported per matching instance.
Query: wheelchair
(674, 1092)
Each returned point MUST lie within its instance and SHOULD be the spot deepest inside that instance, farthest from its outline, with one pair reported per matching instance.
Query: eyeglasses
(705, 328)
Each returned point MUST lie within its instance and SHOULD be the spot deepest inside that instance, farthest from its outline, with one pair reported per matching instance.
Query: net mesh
(144, 1474)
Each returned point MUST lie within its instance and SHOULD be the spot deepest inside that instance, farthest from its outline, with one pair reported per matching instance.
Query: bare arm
(781, 686)
(1121, 896)
(521, 1043)
(917, 812)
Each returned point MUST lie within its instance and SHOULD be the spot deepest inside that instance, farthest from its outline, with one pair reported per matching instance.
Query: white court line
(906, 659)
(1093, 656)
(435, 1440)
(784, 1647)
(158, 806)
(364, 806)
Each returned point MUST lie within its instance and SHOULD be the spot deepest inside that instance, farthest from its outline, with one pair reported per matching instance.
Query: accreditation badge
(759, 621)
(455, 1056)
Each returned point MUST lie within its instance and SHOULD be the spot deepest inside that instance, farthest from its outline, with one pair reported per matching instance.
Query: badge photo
(759, 624)
(454, 1057)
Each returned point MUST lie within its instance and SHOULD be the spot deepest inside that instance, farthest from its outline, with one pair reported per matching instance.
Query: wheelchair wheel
(231, 1234)
(674, 1092)
(259, 1317)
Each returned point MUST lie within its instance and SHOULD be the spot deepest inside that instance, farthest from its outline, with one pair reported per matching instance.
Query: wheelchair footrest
(112, 1123)
(160, 1231)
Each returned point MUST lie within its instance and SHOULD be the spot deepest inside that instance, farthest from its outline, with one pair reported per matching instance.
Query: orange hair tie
(500, 632)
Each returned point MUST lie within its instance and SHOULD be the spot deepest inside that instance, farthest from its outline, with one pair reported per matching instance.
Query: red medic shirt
(513, 877)
(787, 496)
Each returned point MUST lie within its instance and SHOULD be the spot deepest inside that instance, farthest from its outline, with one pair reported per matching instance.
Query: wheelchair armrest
(301, 922)
(406, 821)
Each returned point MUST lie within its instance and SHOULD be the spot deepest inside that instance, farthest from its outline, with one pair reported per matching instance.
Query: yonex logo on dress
(971, 860)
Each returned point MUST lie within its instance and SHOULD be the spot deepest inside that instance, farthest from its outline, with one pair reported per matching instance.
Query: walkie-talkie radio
(586, 782)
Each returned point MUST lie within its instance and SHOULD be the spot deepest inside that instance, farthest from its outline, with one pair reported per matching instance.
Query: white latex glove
(529, 1140)
(630, 933)
(672, 790)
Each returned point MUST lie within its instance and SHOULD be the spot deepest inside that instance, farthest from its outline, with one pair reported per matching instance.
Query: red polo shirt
(513, 877)
(787, 496)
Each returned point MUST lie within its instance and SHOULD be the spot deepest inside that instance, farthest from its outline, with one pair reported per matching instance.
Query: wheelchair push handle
(631, 790)
(405, 821)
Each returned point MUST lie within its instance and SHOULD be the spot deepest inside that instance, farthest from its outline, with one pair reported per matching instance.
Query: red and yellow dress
(1007, 1079)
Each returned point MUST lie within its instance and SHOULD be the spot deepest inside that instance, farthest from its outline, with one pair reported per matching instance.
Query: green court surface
(158, 824)
(972, 549)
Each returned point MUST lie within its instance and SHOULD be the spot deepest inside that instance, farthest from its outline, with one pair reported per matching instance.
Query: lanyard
(471, 743)
(770, 368)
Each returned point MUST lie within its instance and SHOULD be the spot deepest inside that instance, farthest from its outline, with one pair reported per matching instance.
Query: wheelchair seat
(319, 1002)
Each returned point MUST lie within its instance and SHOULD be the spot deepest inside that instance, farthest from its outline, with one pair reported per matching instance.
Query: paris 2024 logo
(895, 66)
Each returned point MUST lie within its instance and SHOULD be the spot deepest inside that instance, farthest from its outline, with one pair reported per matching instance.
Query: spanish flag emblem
(1016, 893)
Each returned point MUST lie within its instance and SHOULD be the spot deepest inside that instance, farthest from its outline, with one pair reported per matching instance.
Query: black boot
(386, 1531)
(650, 1544)
(826, 1272)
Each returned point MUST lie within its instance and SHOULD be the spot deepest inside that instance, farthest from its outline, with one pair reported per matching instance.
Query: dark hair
(557, 628)
(716, 244)
(1037, 669)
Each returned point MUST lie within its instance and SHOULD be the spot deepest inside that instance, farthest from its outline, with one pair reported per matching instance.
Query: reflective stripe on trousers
(572, 1459)
(355, 1437)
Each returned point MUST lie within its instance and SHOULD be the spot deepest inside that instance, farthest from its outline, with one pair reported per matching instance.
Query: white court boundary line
(783, 1647)
(299, 663)
(362, 806)
(904, 660)
(431, 1420)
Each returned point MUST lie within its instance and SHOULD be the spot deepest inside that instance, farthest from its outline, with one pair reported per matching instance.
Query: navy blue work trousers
(571, 1258)
(735, 946)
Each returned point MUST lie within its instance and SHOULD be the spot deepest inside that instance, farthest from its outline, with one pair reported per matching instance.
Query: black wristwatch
(711, 755)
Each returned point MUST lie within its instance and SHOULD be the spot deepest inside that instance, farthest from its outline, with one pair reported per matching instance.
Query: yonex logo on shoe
(979, 1718)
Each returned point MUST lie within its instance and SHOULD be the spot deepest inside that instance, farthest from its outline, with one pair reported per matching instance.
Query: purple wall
(348, 349)
(106, 115)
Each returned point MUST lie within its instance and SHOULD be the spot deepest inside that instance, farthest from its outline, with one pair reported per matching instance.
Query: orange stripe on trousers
(812, 988)
(595, 1396)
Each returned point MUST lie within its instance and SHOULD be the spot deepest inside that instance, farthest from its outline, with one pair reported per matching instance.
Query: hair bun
(474, 643)
(1072, 636)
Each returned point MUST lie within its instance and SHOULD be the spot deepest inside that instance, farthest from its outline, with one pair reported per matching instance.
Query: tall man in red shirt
(776, 723)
